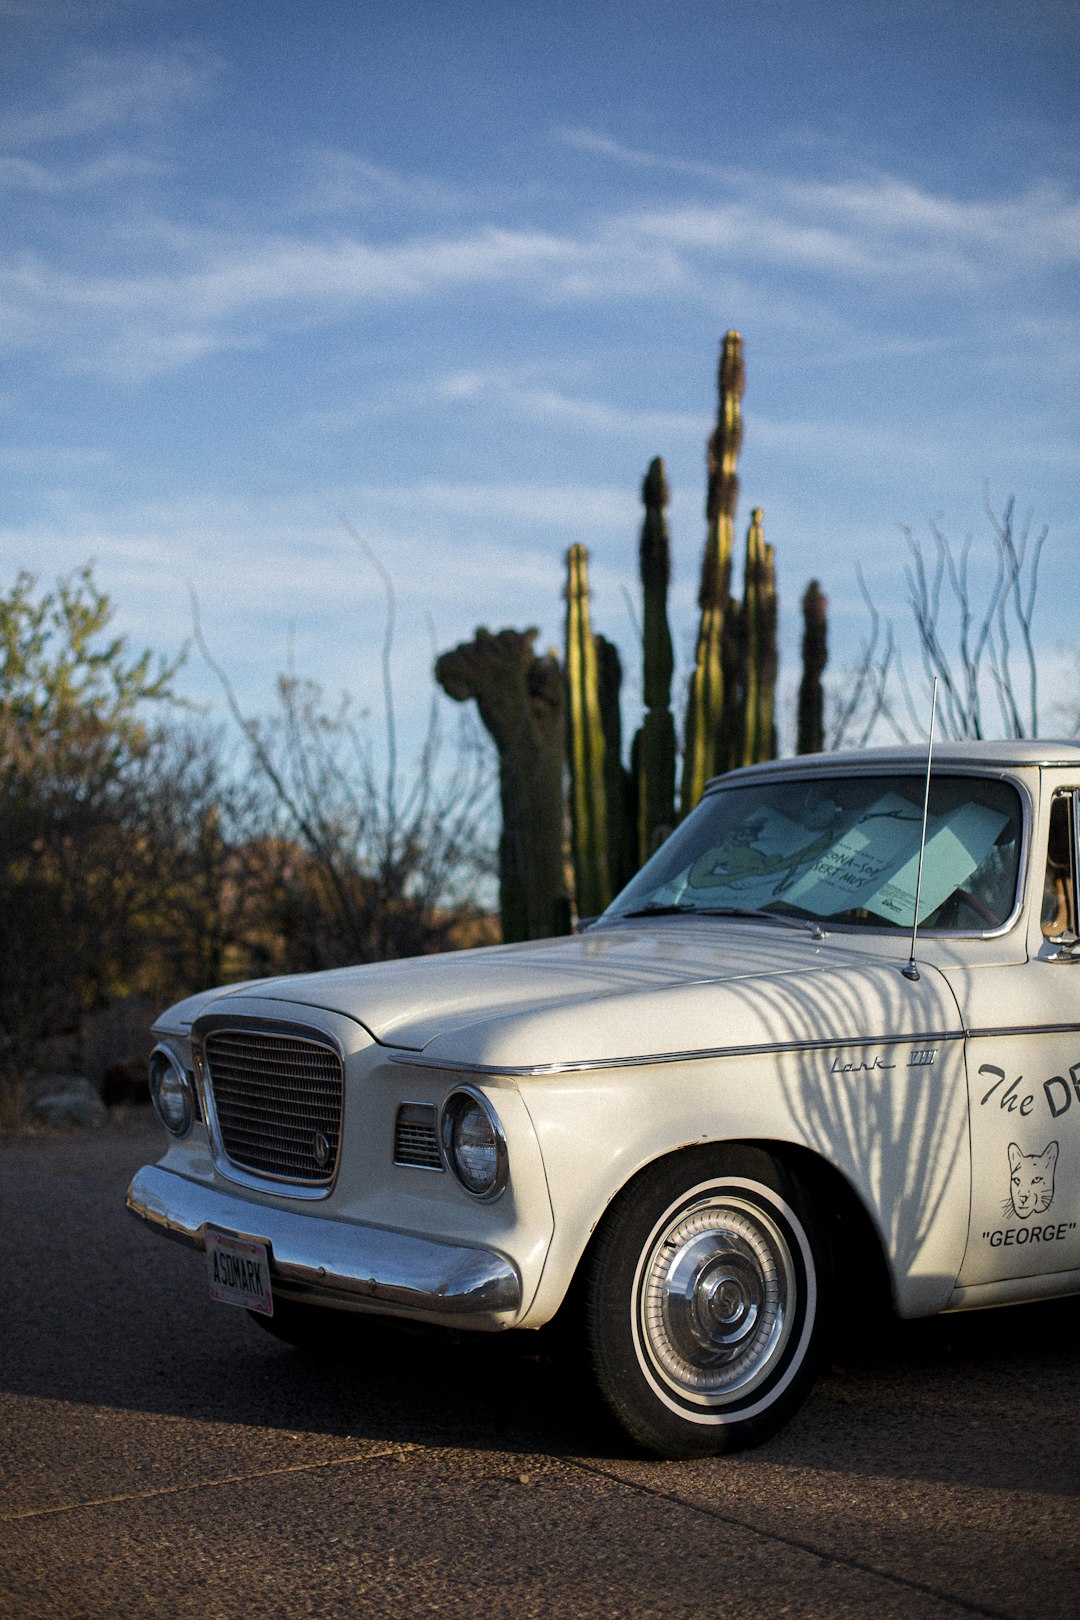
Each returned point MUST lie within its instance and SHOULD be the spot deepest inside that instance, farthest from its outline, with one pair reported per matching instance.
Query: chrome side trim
(417, 1060)
(1025, 1030)
(332, 1262)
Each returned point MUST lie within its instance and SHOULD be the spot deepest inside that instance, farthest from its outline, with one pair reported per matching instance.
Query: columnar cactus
(815, 654)
(585, 744)
(619, 783)
(704, 745)
(655, 743)
(520, 699)
(758, 646)
(534, 710)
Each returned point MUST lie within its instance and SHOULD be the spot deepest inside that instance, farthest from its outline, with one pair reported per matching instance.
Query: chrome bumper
(333, 1262)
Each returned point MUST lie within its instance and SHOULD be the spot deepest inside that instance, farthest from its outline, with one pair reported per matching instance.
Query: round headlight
(170, 1091)
(473, 1143)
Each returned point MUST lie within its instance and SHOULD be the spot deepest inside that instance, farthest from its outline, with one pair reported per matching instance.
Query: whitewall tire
(708, 1301)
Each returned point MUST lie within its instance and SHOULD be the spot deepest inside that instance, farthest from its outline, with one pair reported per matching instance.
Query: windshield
(842, 850)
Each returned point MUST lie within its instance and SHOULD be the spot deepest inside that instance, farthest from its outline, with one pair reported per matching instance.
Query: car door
(1023, 1071)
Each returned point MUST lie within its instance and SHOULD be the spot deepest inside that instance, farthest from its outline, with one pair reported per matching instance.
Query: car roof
(1009, 753)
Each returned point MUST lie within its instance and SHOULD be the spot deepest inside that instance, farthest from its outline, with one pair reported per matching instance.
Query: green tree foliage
(75, 746)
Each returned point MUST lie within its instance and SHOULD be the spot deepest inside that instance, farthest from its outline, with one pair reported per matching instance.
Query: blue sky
(454, 272)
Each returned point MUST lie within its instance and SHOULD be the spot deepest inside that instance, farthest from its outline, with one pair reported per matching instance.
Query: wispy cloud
(770, 246)
(98, 91)
(338, 182)
(877, 223)
(543, 507)
(311, 573)
(211, 292)
(52, 460)
(114, 168)
(524, 398)
(588, 140)
(165, 317)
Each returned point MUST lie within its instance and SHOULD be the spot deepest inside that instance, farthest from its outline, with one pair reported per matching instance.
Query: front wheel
(708, 1301)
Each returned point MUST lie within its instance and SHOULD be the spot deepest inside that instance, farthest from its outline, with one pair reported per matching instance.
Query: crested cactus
(655, 743)
(520, 699)
(705, 747)
(815, 654)
(585, 744)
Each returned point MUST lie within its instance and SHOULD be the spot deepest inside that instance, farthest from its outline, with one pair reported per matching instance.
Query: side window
(1059, 889)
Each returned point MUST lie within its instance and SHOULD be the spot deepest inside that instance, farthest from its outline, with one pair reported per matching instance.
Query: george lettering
(1014, 1237)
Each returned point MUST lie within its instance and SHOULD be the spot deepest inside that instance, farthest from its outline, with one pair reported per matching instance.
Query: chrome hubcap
(716, 1297)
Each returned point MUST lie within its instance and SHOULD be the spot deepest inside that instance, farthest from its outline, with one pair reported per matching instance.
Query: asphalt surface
(161, 1456)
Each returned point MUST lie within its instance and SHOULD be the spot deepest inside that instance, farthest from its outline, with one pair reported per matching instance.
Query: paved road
(160, 1456)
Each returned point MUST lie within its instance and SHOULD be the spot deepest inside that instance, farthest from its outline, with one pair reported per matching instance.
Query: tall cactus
(758, 661)
(535, 711)
(704, 743)
(815, 655)
(619, 783)
(655, 743)
(585, 744)
(729, 740)
(520, 699)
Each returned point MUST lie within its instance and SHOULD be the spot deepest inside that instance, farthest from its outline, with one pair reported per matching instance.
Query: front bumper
(336, 1263)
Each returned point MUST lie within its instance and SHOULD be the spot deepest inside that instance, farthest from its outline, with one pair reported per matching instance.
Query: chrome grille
(416, 1140)
(278, 1101)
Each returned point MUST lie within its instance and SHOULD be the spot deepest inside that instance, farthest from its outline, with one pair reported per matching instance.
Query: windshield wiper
(662, 911)
(804, 924)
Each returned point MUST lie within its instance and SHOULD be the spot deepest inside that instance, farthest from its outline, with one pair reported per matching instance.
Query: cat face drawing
(1031, 1180)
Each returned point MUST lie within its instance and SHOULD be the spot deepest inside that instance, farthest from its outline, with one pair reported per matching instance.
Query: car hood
(614, 992)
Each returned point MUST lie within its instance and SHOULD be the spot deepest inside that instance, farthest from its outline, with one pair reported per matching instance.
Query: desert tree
(973, 623)
(80, 722)
(386, 862)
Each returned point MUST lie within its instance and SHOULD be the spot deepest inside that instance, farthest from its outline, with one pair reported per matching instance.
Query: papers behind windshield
(871, 865)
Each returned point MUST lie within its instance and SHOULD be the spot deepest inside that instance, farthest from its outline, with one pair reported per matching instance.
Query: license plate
(239, 1272)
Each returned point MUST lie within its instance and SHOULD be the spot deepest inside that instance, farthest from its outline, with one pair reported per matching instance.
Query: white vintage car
(732, 1105)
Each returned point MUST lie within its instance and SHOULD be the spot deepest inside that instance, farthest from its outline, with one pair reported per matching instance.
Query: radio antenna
(911, 971)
